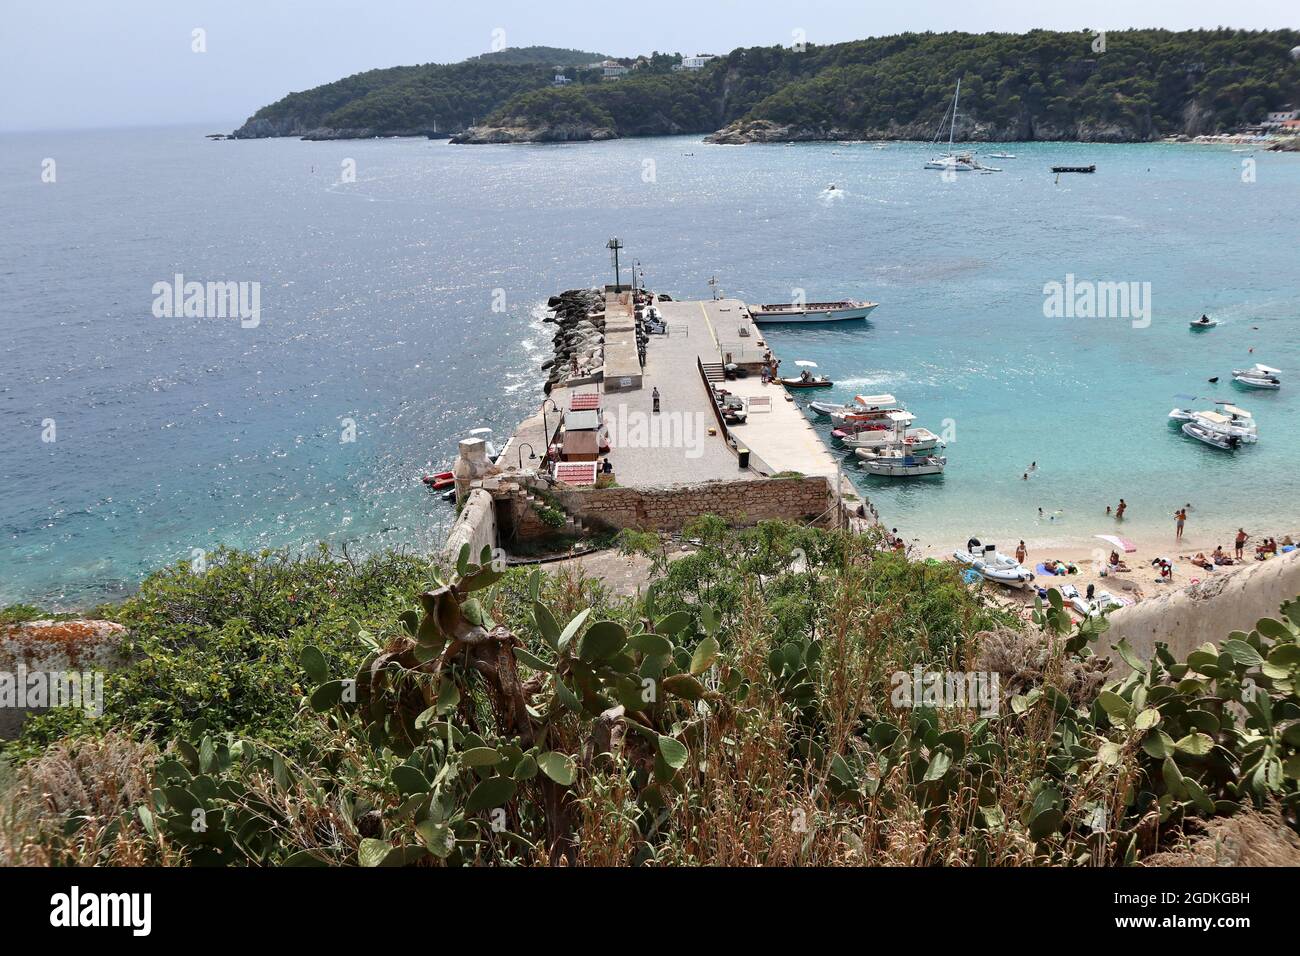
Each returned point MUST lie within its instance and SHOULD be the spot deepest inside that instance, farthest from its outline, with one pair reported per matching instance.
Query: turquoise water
(377, 304)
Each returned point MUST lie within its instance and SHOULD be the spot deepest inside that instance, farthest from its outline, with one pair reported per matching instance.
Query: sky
(68, 64)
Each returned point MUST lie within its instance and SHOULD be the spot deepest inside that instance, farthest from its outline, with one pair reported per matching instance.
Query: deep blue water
(377, 305)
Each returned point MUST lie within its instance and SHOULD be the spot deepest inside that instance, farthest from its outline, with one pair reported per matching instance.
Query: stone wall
(476, 526)
(1224, 601)
(55, 663)
(668, 509)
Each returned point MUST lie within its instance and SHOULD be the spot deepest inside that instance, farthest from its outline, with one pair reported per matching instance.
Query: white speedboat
(996, 567)
(897, 463)
(1257, 376)
(1002, 155)
(1228, 419)
(865, 410)
(1243, 428)
(916, 441)
(1211, 436)
(860, 403)
(895, 435)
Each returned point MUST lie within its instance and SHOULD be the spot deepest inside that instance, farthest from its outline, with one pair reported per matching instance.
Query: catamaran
(957, 162)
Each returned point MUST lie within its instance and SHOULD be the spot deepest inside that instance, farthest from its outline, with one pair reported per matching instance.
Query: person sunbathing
(1221, 557)
(1116, 564)
(1201, 561)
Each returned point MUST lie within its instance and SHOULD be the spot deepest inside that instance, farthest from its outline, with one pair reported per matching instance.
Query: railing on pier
(756, 464)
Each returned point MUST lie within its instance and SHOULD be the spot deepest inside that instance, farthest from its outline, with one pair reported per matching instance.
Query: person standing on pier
(654, 395)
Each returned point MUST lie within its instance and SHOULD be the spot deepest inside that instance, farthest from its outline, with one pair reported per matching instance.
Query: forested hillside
(412, 99)
(1136, 85)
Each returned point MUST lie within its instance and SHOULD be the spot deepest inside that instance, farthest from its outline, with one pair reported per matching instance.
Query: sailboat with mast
(957, 162)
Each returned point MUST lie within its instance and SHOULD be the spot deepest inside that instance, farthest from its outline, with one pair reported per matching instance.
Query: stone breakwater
(579, 340)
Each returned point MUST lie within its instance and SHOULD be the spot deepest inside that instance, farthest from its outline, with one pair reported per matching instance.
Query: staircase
(572, 526)
(714, 371)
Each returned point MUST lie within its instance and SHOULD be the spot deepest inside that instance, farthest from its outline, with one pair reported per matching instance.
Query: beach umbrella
(1124, 544)
(804, 363)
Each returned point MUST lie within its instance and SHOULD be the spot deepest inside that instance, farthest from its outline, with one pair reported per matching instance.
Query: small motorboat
(1228, 424)
(1002, 155)
(914, 440)
(1257, 376)
(809, 382)
(897, 463)
(827, 408)
(1229, 419)
(996, 567)
(440, 481)
(1204, 322)
(896, 435)
(865, 409)
(1211, 436)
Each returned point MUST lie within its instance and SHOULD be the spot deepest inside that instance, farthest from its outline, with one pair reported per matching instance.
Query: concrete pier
(684, 450)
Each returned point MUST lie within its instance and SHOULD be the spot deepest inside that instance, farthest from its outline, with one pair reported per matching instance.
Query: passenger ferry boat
(811, 312)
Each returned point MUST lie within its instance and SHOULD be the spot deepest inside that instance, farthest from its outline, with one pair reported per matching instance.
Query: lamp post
(546, 427)
(614, 245)
(532, 455)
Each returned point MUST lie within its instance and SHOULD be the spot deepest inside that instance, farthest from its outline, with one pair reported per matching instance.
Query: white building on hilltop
(697, 62)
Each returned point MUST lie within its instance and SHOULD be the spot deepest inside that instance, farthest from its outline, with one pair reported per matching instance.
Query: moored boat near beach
(1228, 420)
(1211, 436)
(994, 566)
(809, 382)
(896, 463)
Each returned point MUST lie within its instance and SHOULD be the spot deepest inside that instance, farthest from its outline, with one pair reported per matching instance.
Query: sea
(400, 286)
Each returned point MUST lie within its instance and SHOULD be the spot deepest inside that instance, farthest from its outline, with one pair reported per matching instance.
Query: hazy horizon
(136, 67)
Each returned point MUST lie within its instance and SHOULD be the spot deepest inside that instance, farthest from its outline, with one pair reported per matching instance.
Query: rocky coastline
(294, 126)
(558, 133)
(579, 340)
(743, 132)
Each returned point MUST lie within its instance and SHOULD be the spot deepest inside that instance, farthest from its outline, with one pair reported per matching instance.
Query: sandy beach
(1090, 554)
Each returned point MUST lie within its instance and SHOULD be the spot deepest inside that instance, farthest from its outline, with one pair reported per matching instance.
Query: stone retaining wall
(55, 663)
(668, 509)
(476, 526)
(1224, 601)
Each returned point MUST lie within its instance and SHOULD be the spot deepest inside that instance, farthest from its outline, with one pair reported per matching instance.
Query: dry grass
(1253, 838)
(97, 782)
